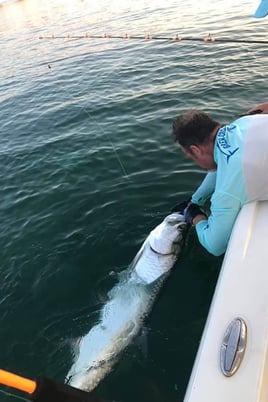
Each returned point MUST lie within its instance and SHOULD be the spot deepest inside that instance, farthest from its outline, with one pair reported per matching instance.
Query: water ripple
(88, 164)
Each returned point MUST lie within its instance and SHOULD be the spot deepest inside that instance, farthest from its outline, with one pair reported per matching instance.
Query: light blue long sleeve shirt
(232, 184)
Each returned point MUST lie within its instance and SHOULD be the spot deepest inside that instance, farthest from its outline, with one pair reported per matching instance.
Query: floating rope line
(176, 38)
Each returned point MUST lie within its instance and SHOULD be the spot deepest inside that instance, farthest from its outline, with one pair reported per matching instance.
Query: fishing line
(125, 174)
(123, 169)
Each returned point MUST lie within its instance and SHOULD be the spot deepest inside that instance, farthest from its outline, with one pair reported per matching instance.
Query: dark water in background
(88, 168)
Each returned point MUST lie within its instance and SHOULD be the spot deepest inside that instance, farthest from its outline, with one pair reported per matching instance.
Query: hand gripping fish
(130, 301)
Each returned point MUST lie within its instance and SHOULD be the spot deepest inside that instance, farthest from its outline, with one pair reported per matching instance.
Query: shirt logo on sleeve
(223, 145)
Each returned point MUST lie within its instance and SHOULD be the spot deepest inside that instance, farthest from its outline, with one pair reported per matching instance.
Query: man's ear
(195, 150)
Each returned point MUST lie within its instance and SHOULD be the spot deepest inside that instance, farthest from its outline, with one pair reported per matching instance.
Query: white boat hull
(241, 292)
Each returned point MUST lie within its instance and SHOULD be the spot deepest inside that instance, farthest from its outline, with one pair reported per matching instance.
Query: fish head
(168, 237)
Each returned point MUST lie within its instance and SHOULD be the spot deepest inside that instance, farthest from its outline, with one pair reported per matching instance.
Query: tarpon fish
(130, 301)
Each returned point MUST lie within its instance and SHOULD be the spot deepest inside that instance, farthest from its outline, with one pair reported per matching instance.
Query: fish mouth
(177, 219)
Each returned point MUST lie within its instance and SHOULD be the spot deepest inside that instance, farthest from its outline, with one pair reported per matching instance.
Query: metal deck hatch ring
(233, 347)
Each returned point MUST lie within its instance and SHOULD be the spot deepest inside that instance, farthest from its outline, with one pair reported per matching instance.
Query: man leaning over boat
(236, 159)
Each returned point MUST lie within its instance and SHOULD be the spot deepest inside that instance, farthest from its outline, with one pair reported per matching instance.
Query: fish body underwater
(130, 301)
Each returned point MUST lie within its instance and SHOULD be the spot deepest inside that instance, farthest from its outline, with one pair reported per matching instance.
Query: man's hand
(193, 214)
(261, 108)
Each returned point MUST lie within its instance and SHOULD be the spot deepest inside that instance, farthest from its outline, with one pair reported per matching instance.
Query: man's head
(195, 132)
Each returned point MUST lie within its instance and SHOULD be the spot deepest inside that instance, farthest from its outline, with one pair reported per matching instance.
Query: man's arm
(205, 189)
(262, 106)
(214, 233)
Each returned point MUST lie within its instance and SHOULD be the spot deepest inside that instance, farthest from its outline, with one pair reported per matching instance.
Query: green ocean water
(88, 168)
